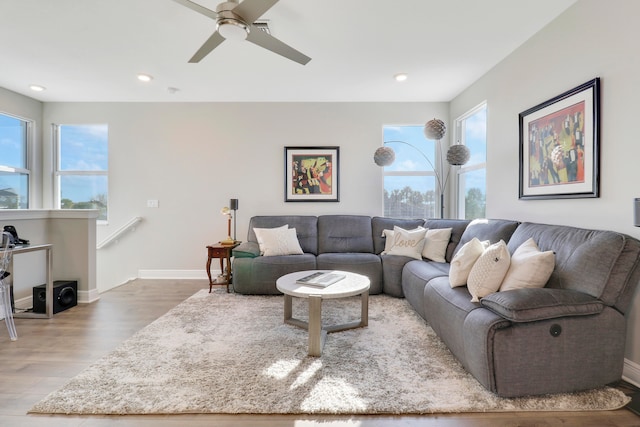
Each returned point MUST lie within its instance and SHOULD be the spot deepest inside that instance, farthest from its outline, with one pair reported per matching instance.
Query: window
(410, 185)
(471, 130)
(82, 167)
(14, 162)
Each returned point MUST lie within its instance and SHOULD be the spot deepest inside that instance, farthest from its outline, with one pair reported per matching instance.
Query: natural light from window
(471, 129)
(82, 167)
(410, 181)
(14, 162)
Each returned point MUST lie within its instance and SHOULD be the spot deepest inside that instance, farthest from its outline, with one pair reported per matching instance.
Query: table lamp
(229, 240)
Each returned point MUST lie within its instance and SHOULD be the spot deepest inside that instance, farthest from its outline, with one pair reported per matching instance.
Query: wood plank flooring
(51, 351)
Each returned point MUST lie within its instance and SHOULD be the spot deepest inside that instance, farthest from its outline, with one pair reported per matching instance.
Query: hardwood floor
(51, 351)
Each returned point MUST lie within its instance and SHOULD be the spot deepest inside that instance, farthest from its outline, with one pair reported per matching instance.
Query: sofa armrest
(246, 250)
(528, 305)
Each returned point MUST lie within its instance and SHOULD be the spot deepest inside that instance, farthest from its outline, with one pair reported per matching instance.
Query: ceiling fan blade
(267, 41)
(200, 9)
(250, 10)
(211, 43)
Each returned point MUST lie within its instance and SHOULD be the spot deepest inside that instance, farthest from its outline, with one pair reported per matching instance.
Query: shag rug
(229, 353)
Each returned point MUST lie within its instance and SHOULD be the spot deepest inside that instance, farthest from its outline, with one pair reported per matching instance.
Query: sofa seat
(362, 263)
(257, 276)
(415, 276)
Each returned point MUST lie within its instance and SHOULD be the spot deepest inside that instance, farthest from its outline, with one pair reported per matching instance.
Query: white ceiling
(92, 50)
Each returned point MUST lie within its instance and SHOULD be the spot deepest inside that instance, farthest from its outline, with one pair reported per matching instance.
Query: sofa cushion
(488, 271)
(246, 250)
(492, 230)
(257, 276)
(366, 264)
(344, 233)
(403, 242)
(435, 244)
(533, 304)
(445, 309)
(530, 267)
(379, 224)
(463, 262)
(392, 266)
(415, 276)
(457, 227)
(278, 241)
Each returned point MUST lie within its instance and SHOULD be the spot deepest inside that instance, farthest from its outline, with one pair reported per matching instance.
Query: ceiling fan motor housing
(230, 25)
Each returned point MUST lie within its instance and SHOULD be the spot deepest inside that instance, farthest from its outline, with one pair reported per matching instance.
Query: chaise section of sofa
(564, 337)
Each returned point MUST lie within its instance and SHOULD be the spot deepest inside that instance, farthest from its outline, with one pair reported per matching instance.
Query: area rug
(229, 353)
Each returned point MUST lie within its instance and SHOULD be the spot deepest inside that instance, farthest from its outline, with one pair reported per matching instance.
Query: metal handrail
(119, 232)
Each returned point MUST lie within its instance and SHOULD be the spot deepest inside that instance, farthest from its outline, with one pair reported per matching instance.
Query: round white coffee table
(353, 284)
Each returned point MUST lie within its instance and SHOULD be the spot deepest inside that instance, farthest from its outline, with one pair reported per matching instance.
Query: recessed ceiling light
(37, 88)
(145, 77)
(400, 77)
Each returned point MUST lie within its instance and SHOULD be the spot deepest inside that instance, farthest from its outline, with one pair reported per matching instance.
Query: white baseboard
(631, 372)
(176, 274)
(87, 297)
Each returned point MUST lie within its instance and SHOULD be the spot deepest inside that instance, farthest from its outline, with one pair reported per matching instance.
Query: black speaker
(65, 295)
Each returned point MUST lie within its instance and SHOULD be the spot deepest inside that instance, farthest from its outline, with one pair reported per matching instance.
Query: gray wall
(591, 39)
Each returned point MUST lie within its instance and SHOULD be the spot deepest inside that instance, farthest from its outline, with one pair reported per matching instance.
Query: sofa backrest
(603, 264)
(306, 229)
(457, 229)
(379, 223)
(492, 230)
(344, 233)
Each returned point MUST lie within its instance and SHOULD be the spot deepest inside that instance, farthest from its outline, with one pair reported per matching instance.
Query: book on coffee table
(321, 279)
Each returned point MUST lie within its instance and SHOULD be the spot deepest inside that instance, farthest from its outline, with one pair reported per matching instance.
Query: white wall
(194, 157)
(590, 39)
(73, 236)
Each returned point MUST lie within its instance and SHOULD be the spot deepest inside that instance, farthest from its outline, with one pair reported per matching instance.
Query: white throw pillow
(281, 241)
(435, 244)
(489, 270)
(388, 238)
(266, 233)
(530, 267)
(463, 261)
(405, 242)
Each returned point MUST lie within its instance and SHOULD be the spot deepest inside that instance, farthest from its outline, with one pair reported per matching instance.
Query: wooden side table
(223, 252)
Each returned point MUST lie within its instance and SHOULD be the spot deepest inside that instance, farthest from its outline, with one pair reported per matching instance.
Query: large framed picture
(559, 145)
(311, 174)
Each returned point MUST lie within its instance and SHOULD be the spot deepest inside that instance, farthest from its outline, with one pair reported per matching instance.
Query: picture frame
(560, 146)
(312, 174)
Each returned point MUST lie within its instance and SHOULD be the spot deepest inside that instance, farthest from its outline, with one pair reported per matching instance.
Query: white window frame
(460, 137)
(28, 160)
(437, 165)
(60, 173)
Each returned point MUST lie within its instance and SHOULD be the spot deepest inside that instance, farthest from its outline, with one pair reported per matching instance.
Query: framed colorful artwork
(560, 146)
(311, 174)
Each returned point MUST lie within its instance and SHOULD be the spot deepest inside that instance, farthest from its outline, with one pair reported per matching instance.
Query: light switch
(152, 203)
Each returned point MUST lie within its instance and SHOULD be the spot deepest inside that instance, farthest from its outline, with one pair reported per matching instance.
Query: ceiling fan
(236, 21)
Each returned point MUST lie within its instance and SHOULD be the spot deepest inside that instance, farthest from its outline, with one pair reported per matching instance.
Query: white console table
(49, 285)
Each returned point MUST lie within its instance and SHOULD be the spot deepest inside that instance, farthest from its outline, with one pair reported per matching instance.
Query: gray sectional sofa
(564, 337)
